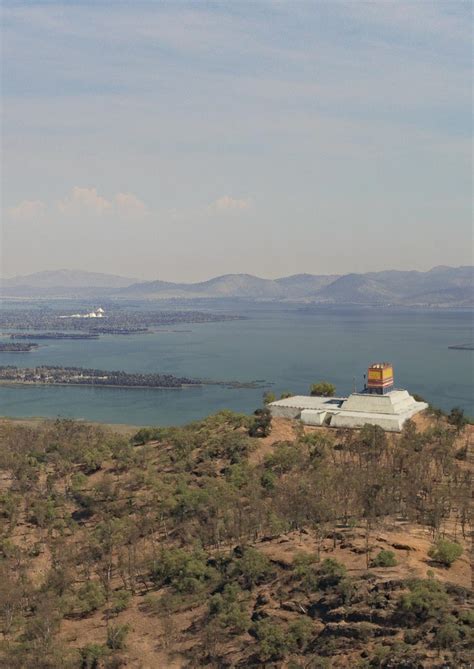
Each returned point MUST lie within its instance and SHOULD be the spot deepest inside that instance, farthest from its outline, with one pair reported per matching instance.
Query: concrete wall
(312, 417)
(393, 403)
(284, 412)
(353, 420)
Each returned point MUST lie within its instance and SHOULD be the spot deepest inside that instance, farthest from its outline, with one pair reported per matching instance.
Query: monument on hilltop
(377, 404)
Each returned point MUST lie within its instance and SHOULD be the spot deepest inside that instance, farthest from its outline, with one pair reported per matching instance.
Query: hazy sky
(180, 140)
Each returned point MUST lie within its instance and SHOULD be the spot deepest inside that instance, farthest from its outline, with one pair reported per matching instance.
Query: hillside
(355, 289)
(227, 286)
(204, 547)
(441, 286)
(63, 283)
(300, 286)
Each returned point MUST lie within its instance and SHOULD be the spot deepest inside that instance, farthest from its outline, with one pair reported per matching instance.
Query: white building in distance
(98, 313)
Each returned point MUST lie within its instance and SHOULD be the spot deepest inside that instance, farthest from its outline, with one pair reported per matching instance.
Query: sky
(184, 140)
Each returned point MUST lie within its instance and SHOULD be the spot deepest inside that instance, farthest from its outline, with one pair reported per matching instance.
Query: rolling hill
(439, 287)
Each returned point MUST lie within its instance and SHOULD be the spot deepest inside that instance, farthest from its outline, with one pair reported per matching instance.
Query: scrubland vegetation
(203, 546)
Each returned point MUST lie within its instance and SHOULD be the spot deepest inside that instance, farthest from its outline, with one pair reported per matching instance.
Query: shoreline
(232, 385)
(4, 382)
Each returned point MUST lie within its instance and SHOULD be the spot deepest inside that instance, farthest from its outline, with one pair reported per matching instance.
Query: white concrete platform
(291, 407)
(389, 411)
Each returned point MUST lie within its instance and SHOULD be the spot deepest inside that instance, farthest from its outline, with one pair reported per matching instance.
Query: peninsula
(13, 347)
(79, 376)
(54, 335)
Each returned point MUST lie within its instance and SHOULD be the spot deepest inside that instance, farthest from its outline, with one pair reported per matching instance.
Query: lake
(289, 347)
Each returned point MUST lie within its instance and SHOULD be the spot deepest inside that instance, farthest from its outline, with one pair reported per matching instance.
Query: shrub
(90, 597)
(116, 637)
(426, 599)
(233, 446)
(167, 604)
(252, 568)
(91, 655)
(346, 589)
(269, 397)
(302, 562)
(467, 617)
(316, 662)
(330, 573)
(268, 480)
(42, 512)
(284, 458)
(384, 559)
(238, 475)
(394, 656)
(145, 435)
(411, 637)
(457, 418)
(300, 632)
(446, 635)
(120, 601)
(445, 552)
(304, 569)
(229, 610)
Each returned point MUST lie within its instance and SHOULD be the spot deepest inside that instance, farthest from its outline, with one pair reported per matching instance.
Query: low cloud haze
(185, 140)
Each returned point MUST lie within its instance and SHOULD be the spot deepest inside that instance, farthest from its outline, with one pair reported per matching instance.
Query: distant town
(55, 324)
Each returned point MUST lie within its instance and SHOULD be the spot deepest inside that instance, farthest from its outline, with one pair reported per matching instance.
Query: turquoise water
(287, 347)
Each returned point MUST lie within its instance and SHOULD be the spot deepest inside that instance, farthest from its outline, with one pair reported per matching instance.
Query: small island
(13, 347)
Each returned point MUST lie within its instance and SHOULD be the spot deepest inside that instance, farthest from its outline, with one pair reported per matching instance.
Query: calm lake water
(288, 347)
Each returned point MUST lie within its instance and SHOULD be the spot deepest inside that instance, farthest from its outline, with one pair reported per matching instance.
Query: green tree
(273, 642)
(323, 389)
(269, 397)
(186, 571)
(426, 599)
(262, 423)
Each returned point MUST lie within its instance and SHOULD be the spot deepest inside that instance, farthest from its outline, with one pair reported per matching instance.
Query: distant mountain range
(441, 287)
(63, 283)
